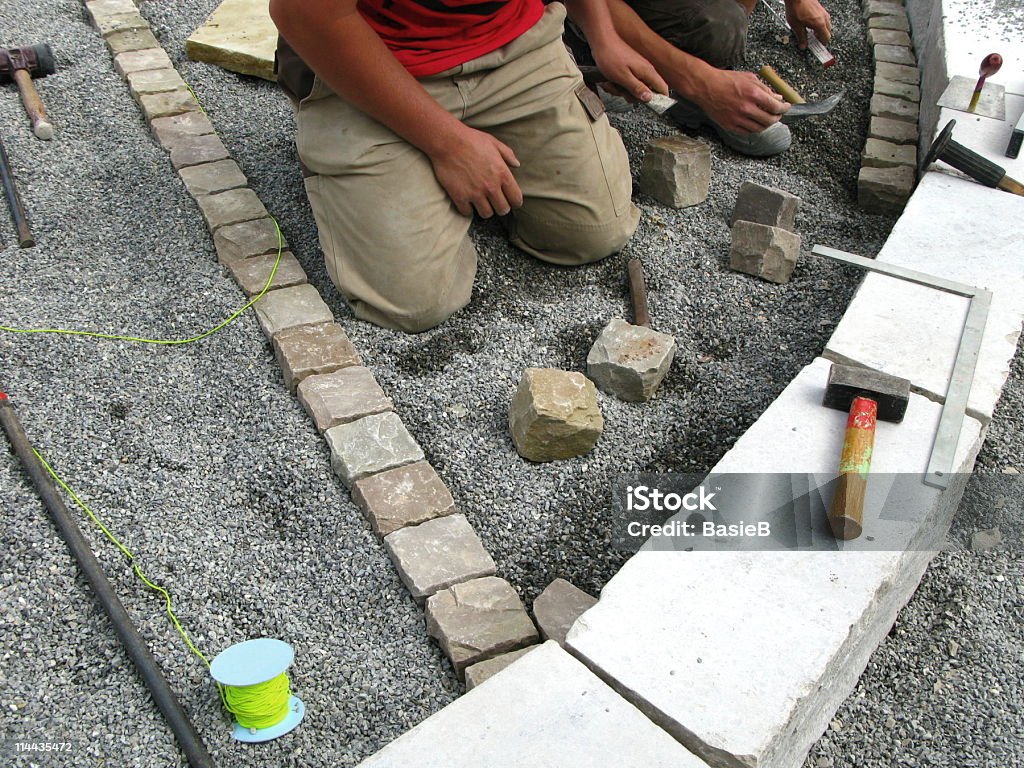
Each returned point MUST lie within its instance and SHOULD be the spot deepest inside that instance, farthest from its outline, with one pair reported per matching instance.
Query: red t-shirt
(430, 36)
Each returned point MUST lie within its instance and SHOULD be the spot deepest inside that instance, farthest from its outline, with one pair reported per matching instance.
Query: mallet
(21, 65)
(867, 395)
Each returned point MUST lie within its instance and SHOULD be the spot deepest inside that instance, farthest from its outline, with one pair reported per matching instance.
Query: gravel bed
(210, 470)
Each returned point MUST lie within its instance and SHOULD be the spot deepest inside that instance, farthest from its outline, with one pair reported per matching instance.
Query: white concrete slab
(545, 711)
(975, 29)
(962, 231)
(744, 657)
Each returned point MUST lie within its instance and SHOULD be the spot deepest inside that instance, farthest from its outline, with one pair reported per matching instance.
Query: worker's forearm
(593, 17)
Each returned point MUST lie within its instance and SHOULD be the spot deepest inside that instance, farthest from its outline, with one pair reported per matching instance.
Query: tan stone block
(400, 497)
(250, 238)
(302, 352)
(141, 61)
(131, 40)
(252, 274)
(342, 396)
(165, 104)
(231, 207)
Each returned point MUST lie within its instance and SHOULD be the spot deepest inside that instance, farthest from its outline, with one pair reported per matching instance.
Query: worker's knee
(715, 32)
(572, 244)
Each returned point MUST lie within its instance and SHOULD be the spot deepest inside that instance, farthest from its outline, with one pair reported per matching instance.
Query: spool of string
(258, 706)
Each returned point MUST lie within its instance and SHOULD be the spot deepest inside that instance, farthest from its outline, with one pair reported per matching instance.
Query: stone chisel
(25, 239)
(682, 113)
(970, 162)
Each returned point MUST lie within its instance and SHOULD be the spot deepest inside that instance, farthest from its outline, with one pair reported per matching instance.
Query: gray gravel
(217, 479)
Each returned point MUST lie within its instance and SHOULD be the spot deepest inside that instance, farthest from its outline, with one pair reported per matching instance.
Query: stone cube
(173, 130)
(311, 349)
(131, 40)
(767, 252)
(155, 80)
(889, 21)
(250, 238)
(905, 91)
(251, 274)
(210, 178)
(885, 190)
(291, 307)
(369, 445)
(437, 554)
(96, 8)
(166, 104)
(630, 361)
(898, 72)
(893, 131)
(230, 207)
(478, 620)
(557, 608)
(141, 60)
(888, 37)
(403, 496)
(484, 670)
(882, 154)
(108, 24)
(765, 205)
(895, 54)
(894, 109)
(874, 8)
(554, 415)
(342, 396)
(197, 150)
(676, 171)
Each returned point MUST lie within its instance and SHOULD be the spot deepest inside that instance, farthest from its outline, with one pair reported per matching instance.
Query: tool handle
(638, 292)
(25, 239)
(974, 165)
(41, 127)
(788, 92)
(846, 512)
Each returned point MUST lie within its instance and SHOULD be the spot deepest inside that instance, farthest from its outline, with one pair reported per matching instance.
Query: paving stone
(197, 150)
(372, 444)
(478, 620)
(676, 171)
(108, 24)
(97, 8)
(400, 497)
(155, 81)
(545, 711)
(894, 109)
(767, 252)
(304, 351)
(291, 308)
(131, 40)
(765, 205)
(140, 61)
(166, 104)
(342, 396)
(172, 131)
(898, 72)
(250, 238)
(630, 361)
(554, 415)
(874, 8)
(899, 23)
(905, 91)
(210, 178)
(557, 608)
(894, 131)
(437, 554)
(231, 207)
(485, 670)
(882, 154)
(895, 54)
(889, 37)
(885, 190)
(251, 274)
(238, 36)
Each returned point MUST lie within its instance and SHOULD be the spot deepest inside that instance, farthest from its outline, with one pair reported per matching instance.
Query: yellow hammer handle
(787, 91)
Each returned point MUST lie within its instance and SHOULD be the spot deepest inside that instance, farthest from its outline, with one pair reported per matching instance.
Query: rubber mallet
(21, 65)
(867, 396)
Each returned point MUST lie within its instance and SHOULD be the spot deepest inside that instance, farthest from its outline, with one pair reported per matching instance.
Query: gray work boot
(773, 140)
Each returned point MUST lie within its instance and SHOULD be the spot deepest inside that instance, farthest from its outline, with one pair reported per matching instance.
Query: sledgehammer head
(891, 393)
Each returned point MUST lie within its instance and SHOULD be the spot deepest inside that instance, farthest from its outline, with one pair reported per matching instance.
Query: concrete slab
(744, 657)
(974, 30)
(962, 231)
(545, 711)
(238, 36)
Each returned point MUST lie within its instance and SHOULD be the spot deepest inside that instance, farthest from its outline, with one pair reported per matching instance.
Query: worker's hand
(628, 69)
(739, 101)
(808, 14)
(475, 170)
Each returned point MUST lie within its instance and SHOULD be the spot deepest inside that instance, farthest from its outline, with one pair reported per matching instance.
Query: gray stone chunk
(155, 81)
(371, 444)
(231, 207)
(166, 104)
(889, 37)
(765, 205)
(304, 351)
(554, 415)
(171, 131)
(131, 40)
(557, 608)
(141, 60)
(767, 252)
(342, 396)
(874, 8)
(983, 541)
(895, 54)
(478, 620)
(898, 72)
(885, 190)
(905, 91)
(485, 670)
(889, 21)
(676, 171)
(882, 154)
(894, 131)
(250, 238)
(251, 274)
(108, 24)
(404, 496)
(290, 308)
(437, 554)
(894, 109)
(197, 150)
(210, 178)
(630, 361)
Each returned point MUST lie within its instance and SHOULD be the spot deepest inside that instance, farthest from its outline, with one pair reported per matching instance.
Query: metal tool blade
(799, 112)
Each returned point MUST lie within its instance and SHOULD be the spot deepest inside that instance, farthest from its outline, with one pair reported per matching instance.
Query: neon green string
(261, 705)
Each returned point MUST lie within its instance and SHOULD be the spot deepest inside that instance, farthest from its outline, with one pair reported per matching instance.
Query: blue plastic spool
(251, 663)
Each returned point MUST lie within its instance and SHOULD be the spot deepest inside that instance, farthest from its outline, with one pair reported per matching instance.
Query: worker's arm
(345, 52)
(808, 14)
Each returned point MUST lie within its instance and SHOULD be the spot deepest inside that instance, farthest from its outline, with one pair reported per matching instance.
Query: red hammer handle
(846, 513)
(41, 127)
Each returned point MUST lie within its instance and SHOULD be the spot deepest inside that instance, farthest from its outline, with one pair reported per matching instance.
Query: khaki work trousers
(396, 247)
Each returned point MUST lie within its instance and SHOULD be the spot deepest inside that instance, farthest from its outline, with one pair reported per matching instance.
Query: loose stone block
(197, 150)
(905, 91)
(290, 308)
(165, 104)
(882, 154)
(210, 178)
(342, 396)
(108, 24)
(238, 36)
(172, 131)
(478, 620)
(765, 205)
(898, 72)
(557, 608)
(885, 190)
(889, 37)
(141, 61)
(554, 415)
(767, 252)
(371, 444)
(630, 361)
(874, 8)
(250, 238)
(485, 670)
(900, 23)
(676, 171)
(894, 109)
(437, 554)
(304, 351)
(894, 131)
(895, 54)
(155, 81)
(131, 40)
(231, 207)
(251, 274)
(404, 496)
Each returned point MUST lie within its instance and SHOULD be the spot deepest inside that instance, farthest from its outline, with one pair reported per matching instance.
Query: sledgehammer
(867, 395)
(21, 65)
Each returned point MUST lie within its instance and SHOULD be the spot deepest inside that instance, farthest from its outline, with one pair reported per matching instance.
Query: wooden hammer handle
(638, 293)
(846, 513)
(788, 92)
(41, 127)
